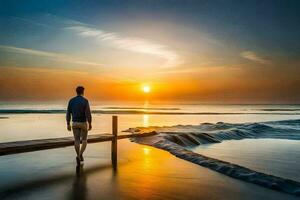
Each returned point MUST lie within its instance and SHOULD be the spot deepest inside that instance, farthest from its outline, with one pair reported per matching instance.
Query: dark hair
(79, 90)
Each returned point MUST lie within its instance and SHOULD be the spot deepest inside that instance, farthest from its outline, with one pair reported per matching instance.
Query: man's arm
(88, 114)
(68, 116)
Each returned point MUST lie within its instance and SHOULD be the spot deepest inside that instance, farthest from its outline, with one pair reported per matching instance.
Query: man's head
(80, 90)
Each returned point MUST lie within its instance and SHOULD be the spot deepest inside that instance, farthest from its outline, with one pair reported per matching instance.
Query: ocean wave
(178, 140)
(280, 109)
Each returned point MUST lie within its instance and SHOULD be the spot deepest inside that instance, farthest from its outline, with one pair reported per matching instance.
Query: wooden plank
(43, 144)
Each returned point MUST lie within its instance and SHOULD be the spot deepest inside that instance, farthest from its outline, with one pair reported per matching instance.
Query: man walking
(79, 110)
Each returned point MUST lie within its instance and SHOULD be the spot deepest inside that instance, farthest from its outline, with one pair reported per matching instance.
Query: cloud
(250, 55)
(55, 56)
(202, 69)
(31, 22)
(133, 44)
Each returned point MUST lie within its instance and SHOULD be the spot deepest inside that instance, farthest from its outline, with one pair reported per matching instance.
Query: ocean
(20, 121)
(253, 143)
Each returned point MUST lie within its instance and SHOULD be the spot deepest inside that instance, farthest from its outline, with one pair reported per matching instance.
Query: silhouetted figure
(79, 111)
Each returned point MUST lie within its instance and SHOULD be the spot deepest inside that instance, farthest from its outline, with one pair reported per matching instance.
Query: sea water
(280, 157)
(243, 132)
(34, 120)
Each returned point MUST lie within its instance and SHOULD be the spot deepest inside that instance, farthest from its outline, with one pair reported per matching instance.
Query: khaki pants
(80, 130)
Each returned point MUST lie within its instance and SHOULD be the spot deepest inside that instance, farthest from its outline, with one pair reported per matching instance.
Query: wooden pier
(43, 144)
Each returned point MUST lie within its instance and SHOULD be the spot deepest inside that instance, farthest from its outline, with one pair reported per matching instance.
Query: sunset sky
(206, 51)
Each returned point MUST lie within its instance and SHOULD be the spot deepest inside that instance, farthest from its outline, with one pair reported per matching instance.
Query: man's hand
(69, 127)
(90, 127)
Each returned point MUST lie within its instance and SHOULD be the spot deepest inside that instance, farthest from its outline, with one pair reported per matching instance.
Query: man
(79, 110)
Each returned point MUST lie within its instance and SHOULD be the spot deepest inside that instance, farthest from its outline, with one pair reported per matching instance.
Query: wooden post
(114, 146)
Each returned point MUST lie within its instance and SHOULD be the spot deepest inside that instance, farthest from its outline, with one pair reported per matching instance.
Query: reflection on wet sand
(79, 189)
(143, 173)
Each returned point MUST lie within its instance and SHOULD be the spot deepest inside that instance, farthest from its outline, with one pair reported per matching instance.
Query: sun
(146, 88)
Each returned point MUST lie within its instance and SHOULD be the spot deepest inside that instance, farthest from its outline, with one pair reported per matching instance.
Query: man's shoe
(81, 158)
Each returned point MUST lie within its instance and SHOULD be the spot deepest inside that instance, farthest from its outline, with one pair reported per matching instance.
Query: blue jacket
(79, 108)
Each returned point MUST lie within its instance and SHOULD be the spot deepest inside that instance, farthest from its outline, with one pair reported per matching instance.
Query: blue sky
(160, 41)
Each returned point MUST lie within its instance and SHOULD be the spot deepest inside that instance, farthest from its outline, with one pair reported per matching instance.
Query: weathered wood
(43, 144)
(114, 144)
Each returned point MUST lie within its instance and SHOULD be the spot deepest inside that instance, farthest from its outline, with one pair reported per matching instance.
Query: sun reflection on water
(146, 151)
(145, 120)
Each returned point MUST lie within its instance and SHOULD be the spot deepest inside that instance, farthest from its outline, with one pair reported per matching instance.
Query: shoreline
(176, 139)
(232, 170)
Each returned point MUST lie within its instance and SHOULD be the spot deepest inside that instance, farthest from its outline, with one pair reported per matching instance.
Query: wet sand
(143, 173)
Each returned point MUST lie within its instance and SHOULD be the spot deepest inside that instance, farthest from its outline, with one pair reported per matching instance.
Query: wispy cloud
(31, 22)
(250, 55)
(202, 69)
(133, 44)
(54, 56)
